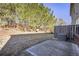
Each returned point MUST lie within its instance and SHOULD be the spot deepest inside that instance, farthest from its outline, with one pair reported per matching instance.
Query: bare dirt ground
(12, 43)
(4, 37)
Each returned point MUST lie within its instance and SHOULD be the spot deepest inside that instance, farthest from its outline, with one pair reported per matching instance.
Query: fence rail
(66, 30)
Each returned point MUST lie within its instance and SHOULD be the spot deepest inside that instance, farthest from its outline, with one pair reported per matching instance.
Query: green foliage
(36, 14)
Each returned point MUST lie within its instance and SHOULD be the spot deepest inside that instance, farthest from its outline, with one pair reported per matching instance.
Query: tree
(60, 22)
(36, 14)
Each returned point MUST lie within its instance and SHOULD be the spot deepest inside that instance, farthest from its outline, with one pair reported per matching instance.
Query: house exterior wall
(73, 19)
(75, 14)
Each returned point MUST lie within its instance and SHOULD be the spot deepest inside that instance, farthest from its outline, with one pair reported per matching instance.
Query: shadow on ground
(17, 43)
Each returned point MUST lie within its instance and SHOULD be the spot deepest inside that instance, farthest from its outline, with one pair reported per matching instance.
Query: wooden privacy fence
(62, 32)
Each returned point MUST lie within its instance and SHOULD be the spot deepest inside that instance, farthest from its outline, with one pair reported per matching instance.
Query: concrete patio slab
(54, 48)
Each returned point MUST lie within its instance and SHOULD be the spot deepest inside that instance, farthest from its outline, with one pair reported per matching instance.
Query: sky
(61, 11)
